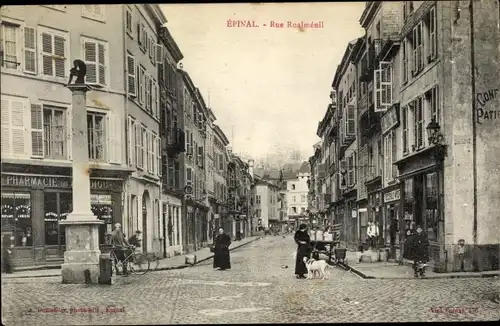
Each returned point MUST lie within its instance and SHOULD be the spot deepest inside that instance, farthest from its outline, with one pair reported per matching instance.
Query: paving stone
(256, 290)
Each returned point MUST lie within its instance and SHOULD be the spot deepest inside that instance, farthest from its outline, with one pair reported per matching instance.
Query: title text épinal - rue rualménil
(233, 23)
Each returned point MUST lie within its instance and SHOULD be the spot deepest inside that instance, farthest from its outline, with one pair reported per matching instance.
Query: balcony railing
(176, 142)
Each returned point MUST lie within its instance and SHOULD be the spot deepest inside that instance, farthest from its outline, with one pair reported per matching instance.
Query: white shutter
(60, 56)
(148, 92)
(47, 52)
(114, 144)
(132, 75)
(153, 97)
(90, 59)
(159, 53)
(131, 142)
(385, 85)
(37, 141)
(153, 50)
(6, 127)
(158, 154)
(139, 34)
(377, 92)
(69, 132)
(102, 64)
(30, 50)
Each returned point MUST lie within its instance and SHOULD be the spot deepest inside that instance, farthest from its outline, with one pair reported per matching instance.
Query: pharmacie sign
(55, 182)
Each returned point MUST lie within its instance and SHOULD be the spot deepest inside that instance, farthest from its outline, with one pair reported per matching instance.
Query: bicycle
(137, 263)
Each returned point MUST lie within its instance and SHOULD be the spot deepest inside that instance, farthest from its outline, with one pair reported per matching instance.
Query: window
(128, 21)
(9, 45)
(303, 198)
(15, 130)
(131, 75)
(189, 176)
(293, 187)
(131, 141)
(405, 60)
(54, 48)
(188, 142)
(57, 206)
(351, 178)
(293, 199)
(432, 35)
(351, 121)
(388, 157)
(432, 99)
(93, 12)
(257, 199)
(200, 156)
(96, 137)
(418, 123)
(394, 155)
(294, 210)
(154, 98)
(141, 36)
(418, 55)
(404, 128)
(141, 84)
(221, 162)
(16, 218)
(302, 210)
(95, 55)
(383, 86)
(54, 135)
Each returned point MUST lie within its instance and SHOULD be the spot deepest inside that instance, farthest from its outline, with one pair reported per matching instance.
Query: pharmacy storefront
(32, 206)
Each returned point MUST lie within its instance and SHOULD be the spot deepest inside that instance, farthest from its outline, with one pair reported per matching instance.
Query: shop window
(16, 218)
(102, 208)
(51, 217)
(431, 205)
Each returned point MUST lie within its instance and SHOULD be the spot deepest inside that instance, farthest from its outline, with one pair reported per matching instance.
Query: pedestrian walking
(6, 254)
(222, 260)
(406, 243)
(303, 241)
(419, 249)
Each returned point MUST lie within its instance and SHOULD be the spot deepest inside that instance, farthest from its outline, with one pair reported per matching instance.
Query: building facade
(218, 200)
(172, 145)
(36, 122)
(425, 110)
(265, 203)
(297, 193)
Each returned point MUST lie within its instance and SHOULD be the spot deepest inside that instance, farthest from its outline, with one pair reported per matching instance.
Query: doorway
(145, 206)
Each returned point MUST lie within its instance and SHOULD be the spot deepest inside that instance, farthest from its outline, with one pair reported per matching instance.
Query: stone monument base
(81, 258)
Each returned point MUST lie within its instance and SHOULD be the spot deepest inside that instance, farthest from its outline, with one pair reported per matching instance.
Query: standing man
(121, 244)
(372, 233)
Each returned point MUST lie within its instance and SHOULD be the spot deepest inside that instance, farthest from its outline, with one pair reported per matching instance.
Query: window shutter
(47, 51)
(132, 75)
(158, 155)
(60, 56)
(37, 142)
(139, 34)
(377, 90)
(159, 54)
(90, 58)
(69, 132)
(112, 141)
(6, 141)
(130, 141)
(154, 108)
(30, 50)
(351, 120)
(102, 64)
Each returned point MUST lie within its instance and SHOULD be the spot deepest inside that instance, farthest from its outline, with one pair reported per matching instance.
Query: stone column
(81, 258)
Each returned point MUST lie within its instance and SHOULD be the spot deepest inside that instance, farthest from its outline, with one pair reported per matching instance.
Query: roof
(305, 168)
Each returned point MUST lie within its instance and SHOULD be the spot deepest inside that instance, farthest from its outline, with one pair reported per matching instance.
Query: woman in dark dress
(221, 252)
(303, 250)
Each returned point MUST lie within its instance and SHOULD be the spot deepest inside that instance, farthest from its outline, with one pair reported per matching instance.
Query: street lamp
(436, 138)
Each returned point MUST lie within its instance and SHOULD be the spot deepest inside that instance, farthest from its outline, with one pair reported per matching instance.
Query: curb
(437, 276)
(151, 270)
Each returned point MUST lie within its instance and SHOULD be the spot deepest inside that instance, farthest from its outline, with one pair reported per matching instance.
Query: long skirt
(300, 266)
(222, 258)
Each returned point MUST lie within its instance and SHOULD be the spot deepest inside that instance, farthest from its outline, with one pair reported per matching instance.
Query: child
(419, 251)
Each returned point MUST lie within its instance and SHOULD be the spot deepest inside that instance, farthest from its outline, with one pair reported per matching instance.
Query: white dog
(314, 266)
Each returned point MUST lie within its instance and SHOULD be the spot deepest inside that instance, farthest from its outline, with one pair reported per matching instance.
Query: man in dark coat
(303, 250)
(221, 251)
(419, 248)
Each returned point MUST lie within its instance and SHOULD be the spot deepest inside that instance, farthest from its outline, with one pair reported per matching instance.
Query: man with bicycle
(120, 245)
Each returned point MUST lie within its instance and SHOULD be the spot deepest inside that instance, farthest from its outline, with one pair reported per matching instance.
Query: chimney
(250, 167)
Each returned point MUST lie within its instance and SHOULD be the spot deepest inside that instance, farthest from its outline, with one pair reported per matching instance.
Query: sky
(268, 87)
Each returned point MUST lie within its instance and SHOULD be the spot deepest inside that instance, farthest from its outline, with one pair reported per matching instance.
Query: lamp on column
(436, 138)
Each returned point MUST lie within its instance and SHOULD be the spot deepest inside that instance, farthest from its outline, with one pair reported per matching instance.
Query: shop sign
(55, 182)
(390, 119)
(392, 196)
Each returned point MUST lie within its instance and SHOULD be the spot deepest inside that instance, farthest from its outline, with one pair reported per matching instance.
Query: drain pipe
(128, 132)
(474, 126)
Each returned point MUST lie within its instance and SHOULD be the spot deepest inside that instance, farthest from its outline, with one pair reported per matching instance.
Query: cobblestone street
(258, 289)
